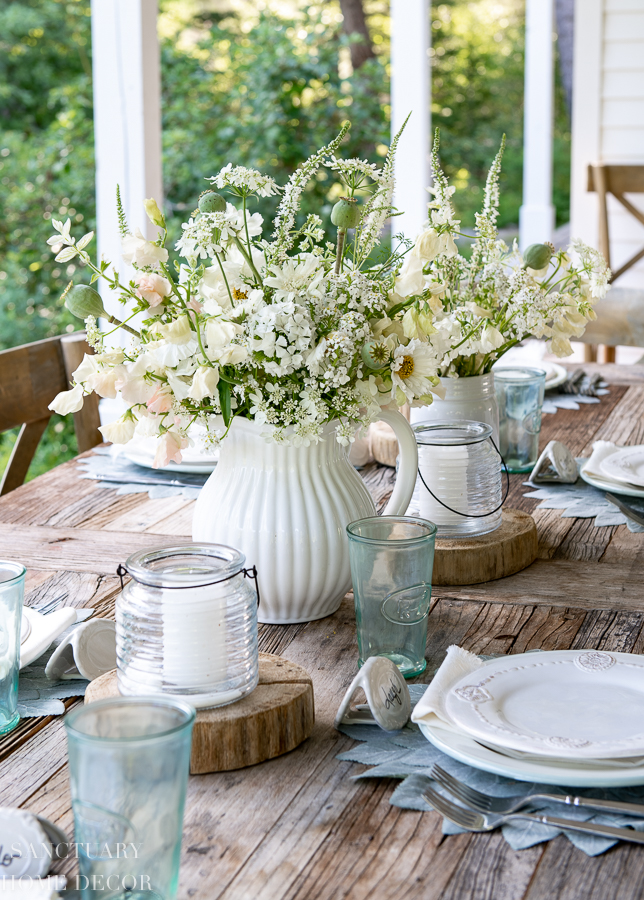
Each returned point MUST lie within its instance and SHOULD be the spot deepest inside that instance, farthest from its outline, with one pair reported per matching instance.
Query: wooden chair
(616, 180)
(30, 378)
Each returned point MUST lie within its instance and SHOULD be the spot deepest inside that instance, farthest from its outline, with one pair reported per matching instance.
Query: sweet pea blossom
(204, 383)
(152, 287)
(68, 401)
(119, 432)
(169, 449)
(161, 400)
(136, 250)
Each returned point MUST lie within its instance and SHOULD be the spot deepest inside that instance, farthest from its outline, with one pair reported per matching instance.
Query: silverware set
(477, 811)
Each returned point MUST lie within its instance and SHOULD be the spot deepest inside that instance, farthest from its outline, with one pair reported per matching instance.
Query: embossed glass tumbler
(392, 558)
(12, 588)
(519, 393)
(129, 760)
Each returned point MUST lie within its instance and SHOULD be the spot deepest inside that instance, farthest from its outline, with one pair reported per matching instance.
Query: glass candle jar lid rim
(462, 431)
(424, 527)
(519, 374)
(10, 571)
(185, 715)
(185, 565)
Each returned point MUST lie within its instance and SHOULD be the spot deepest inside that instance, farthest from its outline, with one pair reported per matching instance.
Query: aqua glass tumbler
(12, 589)
(129, 761)
(519, 394)
(392, 558)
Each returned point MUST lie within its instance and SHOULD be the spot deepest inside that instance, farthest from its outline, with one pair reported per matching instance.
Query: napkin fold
(602, 450)
(431, 707)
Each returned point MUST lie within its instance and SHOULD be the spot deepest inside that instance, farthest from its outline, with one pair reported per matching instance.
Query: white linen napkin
(601, 450)
(431, 707)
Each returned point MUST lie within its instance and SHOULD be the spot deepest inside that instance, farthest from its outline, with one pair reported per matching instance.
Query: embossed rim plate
(466, 750)
(555, 374)
(626, 465)
(571, 704)
(613, 486)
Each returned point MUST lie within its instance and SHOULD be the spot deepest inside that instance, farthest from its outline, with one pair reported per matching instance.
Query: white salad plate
(566, 773)
(626, 465)
(615, 487)
(570, 704)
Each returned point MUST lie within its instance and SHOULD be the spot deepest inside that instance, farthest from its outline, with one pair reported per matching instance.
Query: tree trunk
(356, 24)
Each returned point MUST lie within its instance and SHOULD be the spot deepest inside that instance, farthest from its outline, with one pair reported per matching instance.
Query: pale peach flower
(161, 400)
(119, 432)
(153, 288)
(169, 449)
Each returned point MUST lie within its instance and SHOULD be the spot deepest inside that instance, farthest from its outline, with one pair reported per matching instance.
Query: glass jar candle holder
(459, 482)
(186, 625)
(12, 588)
(519, 392)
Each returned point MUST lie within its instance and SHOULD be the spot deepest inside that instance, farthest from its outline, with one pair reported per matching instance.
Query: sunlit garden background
(269, 80)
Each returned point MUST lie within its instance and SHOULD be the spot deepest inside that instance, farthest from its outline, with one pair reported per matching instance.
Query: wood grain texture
(503, 552)
(274, 719)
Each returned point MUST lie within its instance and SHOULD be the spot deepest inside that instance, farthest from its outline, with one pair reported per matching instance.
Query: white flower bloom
(68, 401)
(292, 277)
(411, 280)
(89, 366)
(204, 383)
(176, 332)
(119, 432)
(414, 371)
(429, 244)
(248, 180)
(138, 251)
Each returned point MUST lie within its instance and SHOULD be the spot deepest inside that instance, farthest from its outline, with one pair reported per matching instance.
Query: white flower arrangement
(474, 310)
(292, 333)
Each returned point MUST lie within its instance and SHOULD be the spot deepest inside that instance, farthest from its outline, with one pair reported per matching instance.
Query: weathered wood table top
(299, 826)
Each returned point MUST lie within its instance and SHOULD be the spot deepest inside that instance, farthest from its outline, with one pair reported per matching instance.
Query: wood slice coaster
(507, 550)
(275, 718)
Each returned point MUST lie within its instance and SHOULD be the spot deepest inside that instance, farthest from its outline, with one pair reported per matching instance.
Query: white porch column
(537, 214)
(127, 120)
(410, 92)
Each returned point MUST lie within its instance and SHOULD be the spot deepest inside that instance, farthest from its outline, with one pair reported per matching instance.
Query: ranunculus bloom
(153, 288)
(68, 401)
(204, 383)
(169, 449)
(136, 249)
(161, 400)
(119, 432)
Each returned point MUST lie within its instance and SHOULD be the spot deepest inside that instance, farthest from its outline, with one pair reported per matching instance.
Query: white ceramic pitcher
(286, 508)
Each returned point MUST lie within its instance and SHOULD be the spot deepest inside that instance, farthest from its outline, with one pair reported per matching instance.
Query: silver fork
(503, 805)
(477, 821)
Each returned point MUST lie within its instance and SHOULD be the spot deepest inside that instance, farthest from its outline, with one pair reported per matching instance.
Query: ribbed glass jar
(461, 468)
(186, 625)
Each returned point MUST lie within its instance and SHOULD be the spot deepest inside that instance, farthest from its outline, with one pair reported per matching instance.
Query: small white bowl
(89, 651)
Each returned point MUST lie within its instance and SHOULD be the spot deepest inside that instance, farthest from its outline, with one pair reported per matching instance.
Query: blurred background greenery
(260, 83)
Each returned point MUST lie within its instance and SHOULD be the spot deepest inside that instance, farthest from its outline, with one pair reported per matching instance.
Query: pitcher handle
(408, 468)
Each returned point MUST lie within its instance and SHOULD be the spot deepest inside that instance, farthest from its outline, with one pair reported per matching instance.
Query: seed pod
(345, 214)
(375, 355)
(83, 301)
(537, 256)
(211, 202)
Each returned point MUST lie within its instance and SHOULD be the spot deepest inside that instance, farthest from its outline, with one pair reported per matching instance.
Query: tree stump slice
(383, 443)
(275, 718)
(509, 549)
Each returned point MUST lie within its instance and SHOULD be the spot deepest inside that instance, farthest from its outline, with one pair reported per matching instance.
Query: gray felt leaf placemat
(408, 756)
(582, 501)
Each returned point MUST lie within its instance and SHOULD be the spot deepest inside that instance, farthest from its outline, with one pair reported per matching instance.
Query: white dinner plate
(626, 465)
(204, 467)
(572, 704)
(555, 374)
(613, 486)
(466, 750)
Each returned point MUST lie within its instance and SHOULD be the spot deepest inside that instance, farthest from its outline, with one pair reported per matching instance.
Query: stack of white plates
(573, 717)
(621, 472)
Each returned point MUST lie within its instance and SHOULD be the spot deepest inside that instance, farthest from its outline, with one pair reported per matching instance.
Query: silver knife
(628, 511)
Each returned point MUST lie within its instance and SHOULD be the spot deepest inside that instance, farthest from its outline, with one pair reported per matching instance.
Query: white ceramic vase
(287, 508)
(472, 398)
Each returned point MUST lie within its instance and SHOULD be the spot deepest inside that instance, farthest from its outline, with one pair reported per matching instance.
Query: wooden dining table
(300, 827)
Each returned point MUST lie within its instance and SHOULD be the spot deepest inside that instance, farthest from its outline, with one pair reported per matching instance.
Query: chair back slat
(30, 378)
(619, 179)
